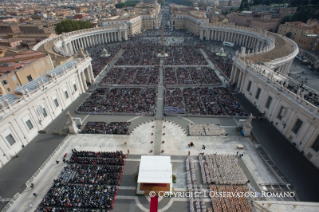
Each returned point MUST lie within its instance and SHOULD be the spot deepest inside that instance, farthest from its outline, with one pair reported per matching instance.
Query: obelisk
(162, 54)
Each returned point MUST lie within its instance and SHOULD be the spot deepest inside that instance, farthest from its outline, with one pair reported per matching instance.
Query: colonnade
(85, 41)
(247, 40)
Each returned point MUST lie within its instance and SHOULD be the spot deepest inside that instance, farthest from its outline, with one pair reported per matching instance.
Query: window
(8, 89)
(315, 145)
(258, 93)
(29, 124)
(56, 102)
(249, 85)
(40, 75)
(42, 63)
(17, 85)
(37, 66)
(10, 139)
(75, 88)
(4, 82)
(43, 111)
(29, 78)
(66, 94)
(297, 126)
(268, 102)
(281, 113)
(14, 78)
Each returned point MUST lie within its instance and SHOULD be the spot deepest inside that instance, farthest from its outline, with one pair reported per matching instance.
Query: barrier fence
(28, 183)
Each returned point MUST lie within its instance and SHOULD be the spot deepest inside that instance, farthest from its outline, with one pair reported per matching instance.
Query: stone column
(120, 36)
(70, 48)
(201, 34)
(87, 74)
(232, 73)
(83, 80)
(239, 79)
(90, 70)
(125, 33)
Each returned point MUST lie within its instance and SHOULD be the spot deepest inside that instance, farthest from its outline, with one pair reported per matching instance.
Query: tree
(288, 34)
(70, 25)
(161, 2)
(126, 4)
(285, 19)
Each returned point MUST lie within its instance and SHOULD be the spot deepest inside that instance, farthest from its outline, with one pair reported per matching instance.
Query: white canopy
(155, 169)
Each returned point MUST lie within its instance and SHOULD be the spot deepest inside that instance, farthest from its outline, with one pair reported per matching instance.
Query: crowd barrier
(28, 183)
(209, 116)
(14, 198)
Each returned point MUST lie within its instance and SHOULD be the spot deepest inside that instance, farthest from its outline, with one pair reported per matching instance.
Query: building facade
(38, 103)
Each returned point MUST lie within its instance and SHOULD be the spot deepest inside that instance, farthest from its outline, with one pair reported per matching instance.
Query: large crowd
(129, 76)
(120, 100)
(223, 63)
(174, 103)
(202, 101)
(85, 186)
(184, 56)
(102, 127)
(98, 62)
(190, 76)
(140, 55)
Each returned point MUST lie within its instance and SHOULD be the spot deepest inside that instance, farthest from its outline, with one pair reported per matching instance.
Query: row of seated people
(80, 196)
(192, 75)
(120, 100)
(130, 76)
(92, 127)
(229, 204)
(139, 55)
(184, 56)
(117, 154)
(216, 101)
(90, 174)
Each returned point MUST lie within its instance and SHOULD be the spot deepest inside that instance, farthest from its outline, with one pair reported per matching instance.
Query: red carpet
(154, 204)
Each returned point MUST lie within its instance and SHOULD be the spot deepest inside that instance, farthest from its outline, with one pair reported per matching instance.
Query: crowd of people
(80, 196)
(174, 103)
(117, 154)
(102, 127)
(184, 56)
(88, 174)
(130, 76)
(190, 76)
(84, 186)
(120, 100)
(216, 101)
(223, 63)
(205, 129)
(224, 169)
(140, 55)
(100, 158)
(98, 62)
(228, 204)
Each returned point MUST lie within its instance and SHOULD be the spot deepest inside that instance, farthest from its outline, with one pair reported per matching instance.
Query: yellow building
(187, 18)
(21, 72)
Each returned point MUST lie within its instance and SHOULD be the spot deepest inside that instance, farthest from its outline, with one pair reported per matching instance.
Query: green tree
(161, 2)
(285, 19)
(70, 25)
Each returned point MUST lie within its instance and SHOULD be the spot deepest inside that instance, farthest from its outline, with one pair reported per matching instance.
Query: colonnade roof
(59, 70)
(11, 99)
(33, 85)
(282, 48)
